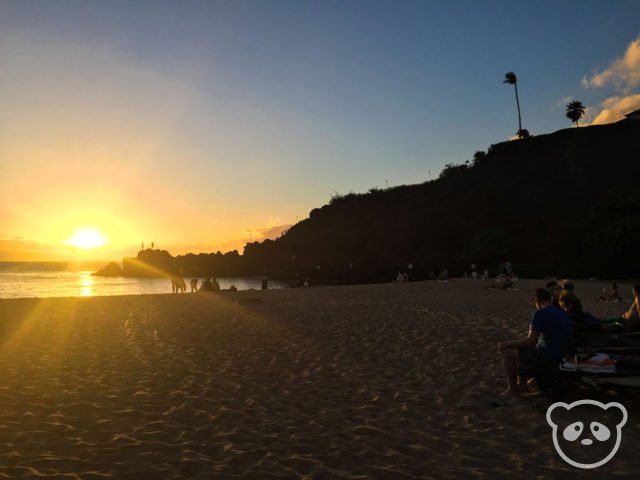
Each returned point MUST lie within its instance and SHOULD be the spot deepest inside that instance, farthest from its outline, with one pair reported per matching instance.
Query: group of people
(610, 295)
(558, 322)
(209, 284)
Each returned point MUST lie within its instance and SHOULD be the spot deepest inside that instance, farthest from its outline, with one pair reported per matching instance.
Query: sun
(86, 238)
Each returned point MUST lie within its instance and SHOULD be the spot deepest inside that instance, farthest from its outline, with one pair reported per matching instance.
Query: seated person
(583, 323)
(554, 289)
(206, 286)
(629, 321)
(567, 285)
(632, 316)
(443, 275)
(611, 295)
(501, 284)
(549, 338)
(571, 304)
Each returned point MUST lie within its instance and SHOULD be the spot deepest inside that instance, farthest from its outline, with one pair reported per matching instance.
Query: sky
(201, 125)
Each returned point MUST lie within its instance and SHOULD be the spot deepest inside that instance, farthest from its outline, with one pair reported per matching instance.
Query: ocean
(61, 279)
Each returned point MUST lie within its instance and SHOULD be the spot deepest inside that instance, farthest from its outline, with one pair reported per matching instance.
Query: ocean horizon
(75, 279)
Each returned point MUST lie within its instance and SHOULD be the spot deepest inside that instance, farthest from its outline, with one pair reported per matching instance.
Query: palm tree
(575, 111)
(511, 79)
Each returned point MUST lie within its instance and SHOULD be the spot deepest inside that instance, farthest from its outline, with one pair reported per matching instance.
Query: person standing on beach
(549, 338)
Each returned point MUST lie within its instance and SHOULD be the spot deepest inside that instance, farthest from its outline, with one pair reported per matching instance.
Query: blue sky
(248, 114)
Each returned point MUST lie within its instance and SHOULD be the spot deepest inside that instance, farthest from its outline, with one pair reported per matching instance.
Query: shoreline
(624, 285)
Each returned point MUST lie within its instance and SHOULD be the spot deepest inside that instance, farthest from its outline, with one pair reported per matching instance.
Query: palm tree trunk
(518, 104)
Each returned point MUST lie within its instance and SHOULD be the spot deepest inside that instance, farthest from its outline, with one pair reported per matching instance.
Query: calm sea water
(54, 279)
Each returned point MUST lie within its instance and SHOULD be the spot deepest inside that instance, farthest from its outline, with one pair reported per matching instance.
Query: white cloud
(624, 72)
(624, 75)
(615, 108)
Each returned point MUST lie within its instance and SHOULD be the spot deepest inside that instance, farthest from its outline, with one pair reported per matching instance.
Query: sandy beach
(381, 381)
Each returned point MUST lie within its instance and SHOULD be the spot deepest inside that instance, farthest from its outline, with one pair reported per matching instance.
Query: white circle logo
(587, 432)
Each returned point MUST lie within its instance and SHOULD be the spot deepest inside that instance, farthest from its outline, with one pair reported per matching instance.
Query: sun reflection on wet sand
(86, 284)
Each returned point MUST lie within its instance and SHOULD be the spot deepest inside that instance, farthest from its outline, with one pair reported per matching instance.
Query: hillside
(566, 203)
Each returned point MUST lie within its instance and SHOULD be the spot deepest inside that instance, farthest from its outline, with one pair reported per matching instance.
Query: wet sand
(380, 381)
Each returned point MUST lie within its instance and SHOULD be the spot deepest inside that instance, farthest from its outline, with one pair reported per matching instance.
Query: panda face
(586, 433)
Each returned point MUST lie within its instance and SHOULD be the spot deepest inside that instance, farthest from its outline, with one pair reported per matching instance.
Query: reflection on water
(86, 284)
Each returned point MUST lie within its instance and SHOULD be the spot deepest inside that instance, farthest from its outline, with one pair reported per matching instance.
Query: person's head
(541, 297)
(554, 290)
(567, 285)
(569, 302)
(614, 286)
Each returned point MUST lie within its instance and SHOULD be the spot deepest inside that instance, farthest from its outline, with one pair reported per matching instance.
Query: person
(508, 269)
(265, 282)
(215, 286)
(501, 284)
(206, 286)
(629, 321)
(571, 304)
(549, 338)
(582, 323)
(194, 285)
(631, 318)
(566, 284)
(554, 289)
(178, 285)
(612, 295)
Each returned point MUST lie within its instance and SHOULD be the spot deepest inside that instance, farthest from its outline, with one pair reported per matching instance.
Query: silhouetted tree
(523, 133)
(478, 157)
(452, 169)
(511, 79)
(575, 111)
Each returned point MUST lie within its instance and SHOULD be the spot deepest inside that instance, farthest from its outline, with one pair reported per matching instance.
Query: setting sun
(87, 238)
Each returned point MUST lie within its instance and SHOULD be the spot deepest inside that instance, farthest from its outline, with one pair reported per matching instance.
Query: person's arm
(529, 340)
(634, 310)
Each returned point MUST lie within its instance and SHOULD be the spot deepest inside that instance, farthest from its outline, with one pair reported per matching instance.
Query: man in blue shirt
(548, 340)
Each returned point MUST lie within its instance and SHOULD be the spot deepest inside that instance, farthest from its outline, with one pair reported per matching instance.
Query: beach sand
(381, 381)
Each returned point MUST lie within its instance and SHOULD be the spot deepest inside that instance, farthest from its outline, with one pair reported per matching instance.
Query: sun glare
(87, 238)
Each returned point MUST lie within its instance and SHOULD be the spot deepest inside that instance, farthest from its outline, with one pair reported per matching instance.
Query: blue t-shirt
(555, 331)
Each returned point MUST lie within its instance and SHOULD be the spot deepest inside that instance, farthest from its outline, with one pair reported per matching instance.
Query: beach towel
(598, 363)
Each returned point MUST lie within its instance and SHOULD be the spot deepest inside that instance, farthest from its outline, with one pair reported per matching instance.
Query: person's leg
(510, 363)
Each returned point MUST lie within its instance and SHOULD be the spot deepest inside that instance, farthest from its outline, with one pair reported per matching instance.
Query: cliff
(565, 203)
